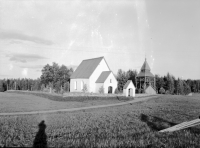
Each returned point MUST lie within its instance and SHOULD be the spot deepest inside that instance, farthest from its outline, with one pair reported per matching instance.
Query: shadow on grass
(157, 124)
(40, 140)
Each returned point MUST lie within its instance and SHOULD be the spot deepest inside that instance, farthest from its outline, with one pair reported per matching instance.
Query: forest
(57, 78)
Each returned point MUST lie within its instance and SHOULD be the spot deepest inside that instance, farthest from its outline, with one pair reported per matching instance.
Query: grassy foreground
(135, 125)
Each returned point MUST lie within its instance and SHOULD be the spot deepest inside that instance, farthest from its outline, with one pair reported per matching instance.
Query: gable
(104, 75)
(150, 89)
(128, 83)
(86, 68)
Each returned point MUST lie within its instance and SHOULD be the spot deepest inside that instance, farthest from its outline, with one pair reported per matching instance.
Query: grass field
(135, 125)
(27, 101)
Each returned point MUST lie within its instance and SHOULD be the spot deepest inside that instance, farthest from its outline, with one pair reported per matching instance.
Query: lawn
(25, 101)
(135, 125)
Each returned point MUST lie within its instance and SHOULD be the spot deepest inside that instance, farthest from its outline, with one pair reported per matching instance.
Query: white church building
(95, 74)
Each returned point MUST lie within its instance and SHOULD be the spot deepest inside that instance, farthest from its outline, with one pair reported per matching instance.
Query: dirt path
(78, 109)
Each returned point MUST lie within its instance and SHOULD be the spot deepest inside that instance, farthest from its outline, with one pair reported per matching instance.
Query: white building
(129, 89)
(95, 74)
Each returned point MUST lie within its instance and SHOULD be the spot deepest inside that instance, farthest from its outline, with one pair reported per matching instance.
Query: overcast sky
(34, 33)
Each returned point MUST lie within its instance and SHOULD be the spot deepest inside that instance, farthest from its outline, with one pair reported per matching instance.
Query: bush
(85, 88)
(167, 92)
(162, 90)
(116, 91)
(101, 90)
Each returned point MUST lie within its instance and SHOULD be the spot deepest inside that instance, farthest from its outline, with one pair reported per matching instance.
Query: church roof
(145, 70)
(104, 75)
(144, 74)
(86, 68)
(145, 66)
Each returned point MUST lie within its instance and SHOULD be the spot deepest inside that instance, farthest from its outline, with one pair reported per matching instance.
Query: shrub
(85, 88)
(167, 92)
(101, 90)
(116, 91)
(162, 90)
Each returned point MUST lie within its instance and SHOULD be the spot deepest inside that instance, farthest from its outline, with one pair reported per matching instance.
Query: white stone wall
(78, 82)
(107, 83)
(95, 75)
(98, 86)
(125, 91)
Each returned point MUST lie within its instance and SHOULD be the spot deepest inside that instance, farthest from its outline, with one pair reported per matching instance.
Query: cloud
(33, 66)
(10, 66)
(10, 35)
(24, 58)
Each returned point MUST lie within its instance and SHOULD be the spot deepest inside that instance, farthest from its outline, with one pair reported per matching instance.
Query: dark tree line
(170, 85)
(57, 78)
(167, 84)
(20, 84)
(124, 76)
(53, 76)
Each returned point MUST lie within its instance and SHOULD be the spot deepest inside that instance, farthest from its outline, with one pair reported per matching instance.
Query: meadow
(18, 101)
(132, 125)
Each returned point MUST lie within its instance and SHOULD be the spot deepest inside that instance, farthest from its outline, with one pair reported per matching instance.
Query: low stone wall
(100, 95)
(76, 94)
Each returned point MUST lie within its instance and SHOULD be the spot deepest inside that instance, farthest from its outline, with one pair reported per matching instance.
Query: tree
(55, 74)
(180, 87)
(122, 78)
(1, 86)
(66, 86)
(101, 90)
(131, 75)
(47, 74)
(36, 85)
(159, 82)
(58, 86)
(170, 83)
(187, 89)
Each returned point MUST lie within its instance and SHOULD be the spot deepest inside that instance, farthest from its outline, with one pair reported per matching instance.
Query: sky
(34, 33)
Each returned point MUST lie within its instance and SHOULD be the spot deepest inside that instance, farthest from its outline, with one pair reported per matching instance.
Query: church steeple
(145, 79)
(145, 66)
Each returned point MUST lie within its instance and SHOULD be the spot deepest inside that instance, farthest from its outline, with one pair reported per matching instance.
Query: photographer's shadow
(40, 140)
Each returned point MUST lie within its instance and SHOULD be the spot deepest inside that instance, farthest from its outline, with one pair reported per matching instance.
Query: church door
(110, 89)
